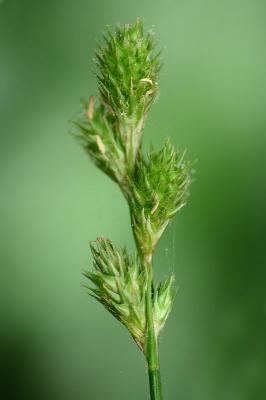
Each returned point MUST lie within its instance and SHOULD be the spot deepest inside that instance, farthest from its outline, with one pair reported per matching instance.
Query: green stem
(152, 354)
(152, 351)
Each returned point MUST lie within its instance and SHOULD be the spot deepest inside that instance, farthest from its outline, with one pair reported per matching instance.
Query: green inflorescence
(154, 185)
(159, 190)
(127, 77)
(120, 286)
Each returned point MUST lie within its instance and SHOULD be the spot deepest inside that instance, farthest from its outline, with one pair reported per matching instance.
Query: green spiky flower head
(127, 76)
(128, 72)
(159, 191)
(120, 284)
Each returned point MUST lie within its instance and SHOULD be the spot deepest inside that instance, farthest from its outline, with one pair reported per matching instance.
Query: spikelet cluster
(159, 190)
(120, 285)
(128, 71)
(162, 303)
(99, 135)
(127, 76)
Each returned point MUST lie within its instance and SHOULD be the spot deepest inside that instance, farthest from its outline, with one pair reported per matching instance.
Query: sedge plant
(154, 185)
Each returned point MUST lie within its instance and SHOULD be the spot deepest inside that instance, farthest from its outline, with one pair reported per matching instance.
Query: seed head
(159, 191)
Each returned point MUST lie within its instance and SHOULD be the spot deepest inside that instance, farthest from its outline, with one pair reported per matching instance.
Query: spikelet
(127, 77)
(120, 286)
(159, 191)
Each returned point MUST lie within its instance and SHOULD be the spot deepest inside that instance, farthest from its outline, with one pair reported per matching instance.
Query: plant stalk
(152, 354)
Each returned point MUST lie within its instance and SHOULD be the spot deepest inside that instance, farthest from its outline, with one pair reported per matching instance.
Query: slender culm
(155, 186)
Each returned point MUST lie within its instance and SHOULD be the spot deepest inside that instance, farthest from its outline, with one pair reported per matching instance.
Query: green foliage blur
(55, 341)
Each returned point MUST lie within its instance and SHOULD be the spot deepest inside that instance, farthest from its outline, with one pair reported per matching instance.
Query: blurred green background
(56, 342)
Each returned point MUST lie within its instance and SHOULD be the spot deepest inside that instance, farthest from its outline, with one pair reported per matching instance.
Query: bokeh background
(55, 341)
